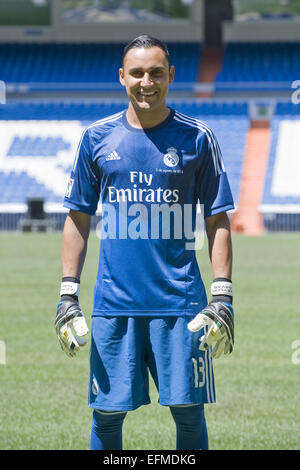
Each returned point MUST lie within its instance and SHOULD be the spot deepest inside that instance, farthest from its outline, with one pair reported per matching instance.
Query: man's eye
(157, 73)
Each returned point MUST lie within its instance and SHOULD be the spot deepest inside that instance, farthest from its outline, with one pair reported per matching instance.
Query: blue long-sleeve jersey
(149, 182)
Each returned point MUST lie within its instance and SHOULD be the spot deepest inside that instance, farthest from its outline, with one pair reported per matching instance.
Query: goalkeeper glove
(70, 323)
(218, 316)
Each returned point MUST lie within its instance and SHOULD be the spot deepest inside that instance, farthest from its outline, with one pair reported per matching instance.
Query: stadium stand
(281, 198)
(37, 146)
(39, 135)
(57, 109)
(35, 157)
(19, 186)
(247, 219)
(282, 183)
(38, 64)
(91, 110)
(42, 150)
(58, 66)
(259, 65)
(231, 131)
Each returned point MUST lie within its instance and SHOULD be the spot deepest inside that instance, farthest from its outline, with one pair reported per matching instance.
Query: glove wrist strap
(70, 286)
(221, 286)
(222, 290)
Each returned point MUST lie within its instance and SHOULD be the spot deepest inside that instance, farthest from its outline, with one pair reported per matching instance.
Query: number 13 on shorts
(199, 372)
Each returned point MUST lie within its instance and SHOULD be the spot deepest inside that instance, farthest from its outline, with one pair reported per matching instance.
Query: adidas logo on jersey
(113, 156)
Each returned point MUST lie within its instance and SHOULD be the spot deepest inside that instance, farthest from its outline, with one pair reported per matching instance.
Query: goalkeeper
(150, 312)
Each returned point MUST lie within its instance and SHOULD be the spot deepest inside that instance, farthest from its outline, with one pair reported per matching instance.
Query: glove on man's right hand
(70, 323)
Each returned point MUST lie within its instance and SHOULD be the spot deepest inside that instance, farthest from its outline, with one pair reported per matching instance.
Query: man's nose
(146, 80)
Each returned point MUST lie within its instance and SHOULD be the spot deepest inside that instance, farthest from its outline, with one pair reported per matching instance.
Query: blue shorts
(124, 349)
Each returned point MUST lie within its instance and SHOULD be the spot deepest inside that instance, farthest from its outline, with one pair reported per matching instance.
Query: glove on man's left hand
(218, 316)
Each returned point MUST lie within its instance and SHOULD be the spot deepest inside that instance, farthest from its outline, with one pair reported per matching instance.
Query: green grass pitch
(43, 399)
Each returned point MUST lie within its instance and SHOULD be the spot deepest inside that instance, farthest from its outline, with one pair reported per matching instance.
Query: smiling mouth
(149, 93)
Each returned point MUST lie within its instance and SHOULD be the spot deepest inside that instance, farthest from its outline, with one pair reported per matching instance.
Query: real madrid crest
(171, 158)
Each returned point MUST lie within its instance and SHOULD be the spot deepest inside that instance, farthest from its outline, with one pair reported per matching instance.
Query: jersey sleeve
(83, 188)
(213, 189)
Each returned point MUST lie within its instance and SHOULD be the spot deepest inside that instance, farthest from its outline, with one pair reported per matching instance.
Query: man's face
(146, 75)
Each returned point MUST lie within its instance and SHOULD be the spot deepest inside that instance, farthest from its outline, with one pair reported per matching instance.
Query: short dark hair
(146, 41)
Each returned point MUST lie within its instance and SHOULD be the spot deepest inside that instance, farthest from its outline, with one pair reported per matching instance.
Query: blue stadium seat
(280, 203)
(46, 66)
(228, 120)
(17, 187)
(284, 150)
(90, 111)
(37, 146)
(287, 109)
(278, 63)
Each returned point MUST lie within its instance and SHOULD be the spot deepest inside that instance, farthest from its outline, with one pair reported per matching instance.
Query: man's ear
(172, 74)
(121, 76)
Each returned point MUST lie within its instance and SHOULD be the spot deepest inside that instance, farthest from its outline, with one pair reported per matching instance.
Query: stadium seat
(39, 140)
(259, 65)
(55, 66)
(280, 203)
(37, 146)
(17, 187)
(282, 187)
